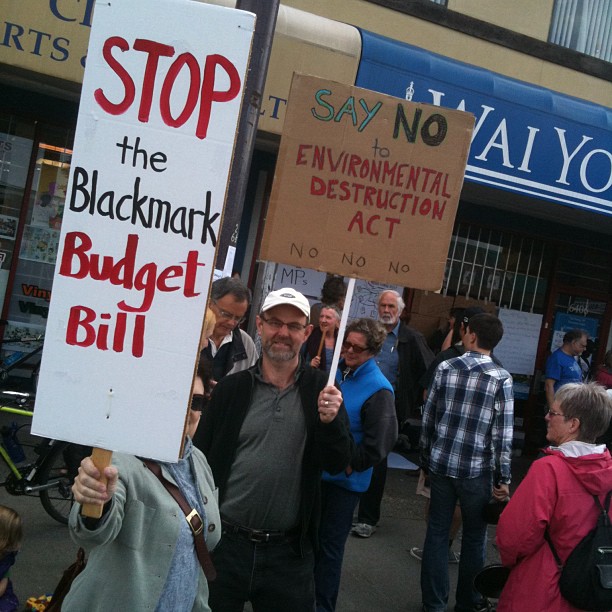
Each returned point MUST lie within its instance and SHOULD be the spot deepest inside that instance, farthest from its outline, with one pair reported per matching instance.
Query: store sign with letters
(528, 139)
(153, 148)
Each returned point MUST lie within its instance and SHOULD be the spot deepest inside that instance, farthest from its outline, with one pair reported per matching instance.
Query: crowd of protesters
(279, 466)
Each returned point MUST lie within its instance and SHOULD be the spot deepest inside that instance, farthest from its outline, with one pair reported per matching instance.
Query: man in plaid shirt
(466, 442)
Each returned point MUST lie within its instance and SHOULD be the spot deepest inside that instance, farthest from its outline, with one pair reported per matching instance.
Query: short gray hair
(400, 301)
(331, 307)
(230, 286)
(590, 404)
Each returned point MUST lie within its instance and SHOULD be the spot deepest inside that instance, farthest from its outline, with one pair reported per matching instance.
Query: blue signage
(527, 139)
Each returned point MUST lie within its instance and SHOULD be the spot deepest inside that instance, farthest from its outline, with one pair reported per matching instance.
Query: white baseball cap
(287, 296)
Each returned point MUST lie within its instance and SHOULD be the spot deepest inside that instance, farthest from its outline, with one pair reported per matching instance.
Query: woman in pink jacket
(556, 495)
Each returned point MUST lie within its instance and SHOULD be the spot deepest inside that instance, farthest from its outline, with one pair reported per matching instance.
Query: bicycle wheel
(57, 500)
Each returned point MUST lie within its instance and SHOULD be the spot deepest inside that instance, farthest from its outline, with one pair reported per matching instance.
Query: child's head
(10, 530)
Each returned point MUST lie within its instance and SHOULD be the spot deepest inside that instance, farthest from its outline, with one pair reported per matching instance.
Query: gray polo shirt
(263, 489)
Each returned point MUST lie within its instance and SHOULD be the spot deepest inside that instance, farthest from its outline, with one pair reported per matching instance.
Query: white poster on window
(518, 347)
(159, 108)
(308, 282)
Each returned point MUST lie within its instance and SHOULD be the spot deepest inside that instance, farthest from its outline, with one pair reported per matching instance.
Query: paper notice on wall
(518, 347)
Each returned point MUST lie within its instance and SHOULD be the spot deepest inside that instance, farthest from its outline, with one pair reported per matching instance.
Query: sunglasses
(356, 349)
(198, 402)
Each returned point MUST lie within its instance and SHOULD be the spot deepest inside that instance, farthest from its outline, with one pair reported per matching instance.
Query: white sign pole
(343, 320)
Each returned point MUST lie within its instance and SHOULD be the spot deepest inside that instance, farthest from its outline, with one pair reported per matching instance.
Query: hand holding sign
(95, 484)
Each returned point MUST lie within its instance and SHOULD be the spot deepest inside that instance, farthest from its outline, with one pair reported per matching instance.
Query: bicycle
(51, 475)
(33, 345)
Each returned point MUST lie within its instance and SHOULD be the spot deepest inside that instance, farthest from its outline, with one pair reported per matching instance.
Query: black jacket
(414, 358)
(328, 446)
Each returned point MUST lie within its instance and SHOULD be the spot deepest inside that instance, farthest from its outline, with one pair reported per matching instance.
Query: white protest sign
(155, 135)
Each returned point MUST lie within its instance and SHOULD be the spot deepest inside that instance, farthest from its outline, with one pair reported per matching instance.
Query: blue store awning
(527, 140)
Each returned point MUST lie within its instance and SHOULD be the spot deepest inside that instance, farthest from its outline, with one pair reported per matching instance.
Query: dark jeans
(371, 500)
(473, 495)
(272, 576)
(337, 507)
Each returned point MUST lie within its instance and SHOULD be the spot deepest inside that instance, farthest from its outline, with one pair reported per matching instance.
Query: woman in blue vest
(368, 398)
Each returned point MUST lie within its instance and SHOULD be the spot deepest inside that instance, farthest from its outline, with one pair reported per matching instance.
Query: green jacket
(131, 551)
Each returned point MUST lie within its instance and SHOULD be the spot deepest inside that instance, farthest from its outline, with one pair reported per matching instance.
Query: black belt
(260, 536)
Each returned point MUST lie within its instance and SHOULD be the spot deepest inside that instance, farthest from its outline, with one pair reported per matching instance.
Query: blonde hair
(208, 326)
(10, 529)
(209, 323)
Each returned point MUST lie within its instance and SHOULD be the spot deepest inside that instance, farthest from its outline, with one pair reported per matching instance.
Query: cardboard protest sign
(155, 135)
(366, 185)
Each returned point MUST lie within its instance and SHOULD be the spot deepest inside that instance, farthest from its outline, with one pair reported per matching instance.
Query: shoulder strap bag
(193, 518)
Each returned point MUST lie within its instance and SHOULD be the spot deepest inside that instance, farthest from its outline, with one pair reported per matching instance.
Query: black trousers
(371, 500)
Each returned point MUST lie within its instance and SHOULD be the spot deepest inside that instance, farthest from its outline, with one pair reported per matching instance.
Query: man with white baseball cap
(268, 434)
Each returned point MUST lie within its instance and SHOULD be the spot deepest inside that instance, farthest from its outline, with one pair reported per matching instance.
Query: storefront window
(500, 267)
(583, 269)
(16, 139)
(583, 25)
(27, 301)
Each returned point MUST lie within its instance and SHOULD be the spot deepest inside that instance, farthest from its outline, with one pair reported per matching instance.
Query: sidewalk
(379, 573)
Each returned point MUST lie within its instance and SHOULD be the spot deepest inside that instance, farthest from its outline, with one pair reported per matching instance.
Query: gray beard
(279, 356)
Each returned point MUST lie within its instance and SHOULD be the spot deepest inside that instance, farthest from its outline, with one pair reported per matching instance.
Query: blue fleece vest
(366, 380)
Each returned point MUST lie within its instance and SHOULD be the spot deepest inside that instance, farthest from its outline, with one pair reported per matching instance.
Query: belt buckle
(259, 537)
(195, 514)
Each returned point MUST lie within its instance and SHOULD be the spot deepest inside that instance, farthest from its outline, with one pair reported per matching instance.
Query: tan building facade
(530, 246)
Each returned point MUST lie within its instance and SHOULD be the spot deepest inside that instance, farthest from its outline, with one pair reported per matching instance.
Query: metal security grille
(501, 267)
(583, 25)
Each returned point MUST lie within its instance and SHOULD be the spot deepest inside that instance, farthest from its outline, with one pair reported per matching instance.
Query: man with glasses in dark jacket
(230, 349)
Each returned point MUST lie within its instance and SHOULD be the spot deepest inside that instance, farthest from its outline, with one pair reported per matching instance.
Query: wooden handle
(321, 343)
(101, 459)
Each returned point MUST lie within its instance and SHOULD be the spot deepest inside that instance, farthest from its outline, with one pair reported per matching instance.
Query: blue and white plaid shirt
(468, 419)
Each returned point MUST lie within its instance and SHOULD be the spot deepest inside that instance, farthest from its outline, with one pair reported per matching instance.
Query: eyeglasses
(277, 325)
(552, 413)
(228, 315)
(198, 402)
(356, 349)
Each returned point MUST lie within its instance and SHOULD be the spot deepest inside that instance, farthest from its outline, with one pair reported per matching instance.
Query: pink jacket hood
(593, 471)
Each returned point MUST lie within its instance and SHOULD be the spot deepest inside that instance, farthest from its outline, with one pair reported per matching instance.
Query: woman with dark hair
(369, 401)
(556, 498)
